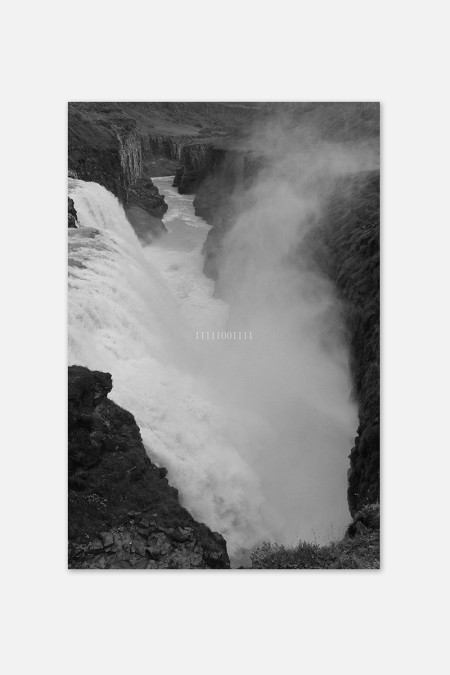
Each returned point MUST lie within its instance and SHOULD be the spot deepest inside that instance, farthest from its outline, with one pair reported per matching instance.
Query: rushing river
(245, 442)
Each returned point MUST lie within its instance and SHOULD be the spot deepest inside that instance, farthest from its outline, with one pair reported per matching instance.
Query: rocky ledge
(122, 511)
(105, 147)
(72, 214)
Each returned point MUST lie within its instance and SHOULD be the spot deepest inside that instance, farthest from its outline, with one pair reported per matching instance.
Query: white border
(237, 622)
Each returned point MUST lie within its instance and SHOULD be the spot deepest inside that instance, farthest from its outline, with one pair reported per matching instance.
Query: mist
(293, 377)
(255, 433)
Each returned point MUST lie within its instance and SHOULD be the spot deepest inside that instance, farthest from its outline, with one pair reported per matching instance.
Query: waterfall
(255, 434)
(125, 318)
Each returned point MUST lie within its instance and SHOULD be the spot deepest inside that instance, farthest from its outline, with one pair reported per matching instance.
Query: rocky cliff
(347, 248)
(106, 147)
(122, 511)
(358, 549)
(217, 199)
(198, 160)
(72, 214)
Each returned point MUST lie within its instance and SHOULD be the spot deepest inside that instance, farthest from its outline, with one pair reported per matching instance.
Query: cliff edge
(122, 511)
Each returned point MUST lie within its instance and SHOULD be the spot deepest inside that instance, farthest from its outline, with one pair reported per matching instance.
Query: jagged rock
(198, 160)
(72, 214)
(367, 518)
(107, 539)
(96, 545)
(117, 518)
(347, 248)
(157, 545)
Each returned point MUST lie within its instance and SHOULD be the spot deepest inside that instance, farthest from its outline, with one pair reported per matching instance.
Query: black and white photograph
(225, 338)
(223, 328)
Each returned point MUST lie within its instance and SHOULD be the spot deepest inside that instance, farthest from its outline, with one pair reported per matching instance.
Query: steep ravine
(114, 150)
(122, 511)
(345, 245)
(109, 152)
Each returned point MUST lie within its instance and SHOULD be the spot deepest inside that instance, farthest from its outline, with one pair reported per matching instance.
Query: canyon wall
(72, 218)
(198, 160)
(122, 511)
(345, 245)
(347, 248)
(107, 149)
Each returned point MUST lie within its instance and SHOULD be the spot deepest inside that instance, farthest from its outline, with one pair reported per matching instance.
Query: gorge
(255, 435)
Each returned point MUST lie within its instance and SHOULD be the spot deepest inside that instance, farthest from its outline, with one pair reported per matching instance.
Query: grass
(359, 549)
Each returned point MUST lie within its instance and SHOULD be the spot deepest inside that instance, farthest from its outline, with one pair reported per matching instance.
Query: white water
(251, 455)
(133, 312)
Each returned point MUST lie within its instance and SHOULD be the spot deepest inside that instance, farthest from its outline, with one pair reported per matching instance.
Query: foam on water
(255, 434)
(133, 312)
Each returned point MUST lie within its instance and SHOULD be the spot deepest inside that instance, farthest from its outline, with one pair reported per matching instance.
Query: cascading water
(254, 433)
(126, 317)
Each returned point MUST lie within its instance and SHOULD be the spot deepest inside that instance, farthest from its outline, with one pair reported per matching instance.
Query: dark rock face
(122, 511)
(108, 151)
(198, 160)
(72, 214)
(349, 252)
(146, 196)
(162, 152)
(94, 153)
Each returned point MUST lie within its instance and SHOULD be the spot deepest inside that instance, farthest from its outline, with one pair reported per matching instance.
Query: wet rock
(72, 214)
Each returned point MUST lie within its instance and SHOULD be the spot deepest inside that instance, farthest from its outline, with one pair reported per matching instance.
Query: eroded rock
(122, 511)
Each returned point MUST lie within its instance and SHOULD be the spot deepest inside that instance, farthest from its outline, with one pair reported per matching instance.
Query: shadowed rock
(72, 214)
(122, 511)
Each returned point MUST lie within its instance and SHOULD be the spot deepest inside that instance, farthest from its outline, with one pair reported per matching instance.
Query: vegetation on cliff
(347, 248)
(359, 549)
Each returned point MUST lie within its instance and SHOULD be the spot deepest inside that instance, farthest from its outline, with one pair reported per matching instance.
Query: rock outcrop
(347, 248)
(72, 214)
(162, 152)
(122, 511)
(105, 147)
(198, 160)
